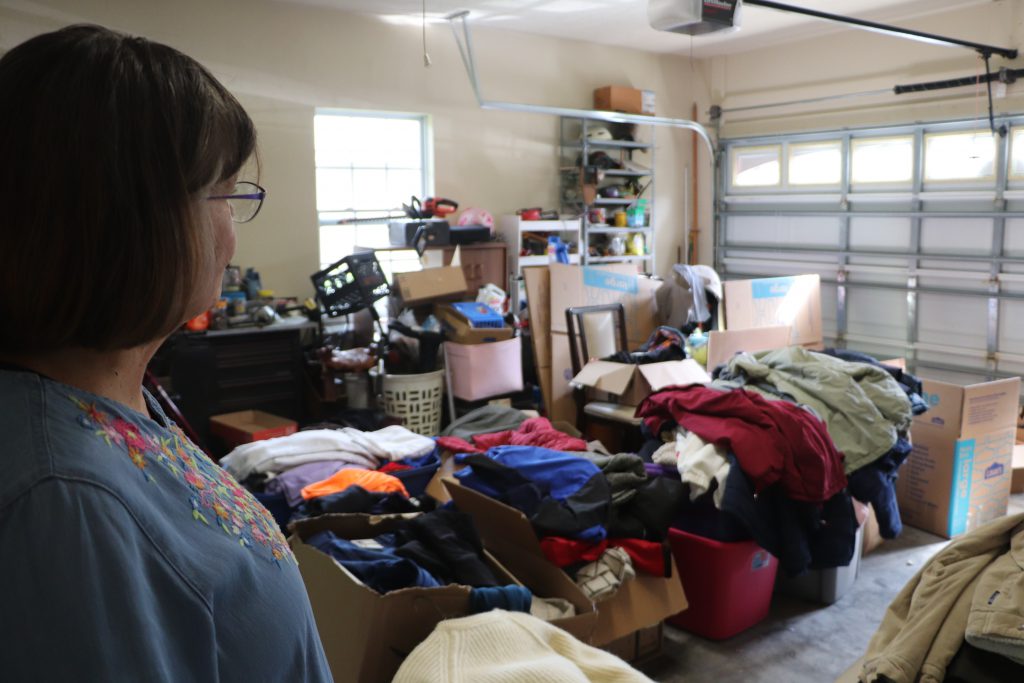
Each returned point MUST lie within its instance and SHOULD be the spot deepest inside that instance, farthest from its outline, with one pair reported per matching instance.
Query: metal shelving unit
(580, 182)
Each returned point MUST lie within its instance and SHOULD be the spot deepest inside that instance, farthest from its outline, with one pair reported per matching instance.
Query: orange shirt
(368, 479)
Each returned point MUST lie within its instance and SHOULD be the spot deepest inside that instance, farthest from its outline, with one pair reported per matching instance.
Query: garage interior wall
(284, 59)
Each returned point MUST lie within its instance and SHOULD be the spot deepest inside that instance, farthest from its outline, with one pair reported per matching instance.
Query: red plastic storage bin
(728, 585)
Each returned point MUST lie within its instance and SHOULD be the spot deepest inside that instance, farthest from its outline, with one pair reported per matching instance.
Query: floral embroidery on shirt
(216, 498)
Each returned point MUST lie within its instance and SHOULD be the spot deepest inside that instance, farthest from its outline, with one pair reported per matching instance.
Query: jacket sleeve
(88, 595)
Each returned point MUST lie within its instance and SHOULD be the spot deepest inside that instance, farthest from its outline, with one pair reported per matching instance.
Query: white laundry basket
(416, 399)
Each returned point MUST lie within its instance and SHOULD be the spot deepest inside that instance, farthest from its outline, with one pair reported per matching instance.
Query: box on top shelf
(633, 383)
(959, 472)
(625, 99)
(641, 602)
(366, 635)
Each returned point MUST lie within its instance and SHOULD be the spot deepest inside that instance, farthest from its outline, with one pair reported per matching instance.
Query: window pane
(959, 156)
(367, 141)
(815, 163)
(1017, 153)
(882, 160)
(333, 189)
(756, 166)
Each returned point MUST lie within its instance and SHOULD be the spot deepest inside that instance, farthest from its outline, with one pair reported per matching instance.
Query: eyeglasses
(245, 202)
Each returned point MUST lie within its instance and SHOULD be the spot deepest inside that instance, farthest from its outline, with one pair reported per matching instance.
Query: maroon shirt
(774, 441)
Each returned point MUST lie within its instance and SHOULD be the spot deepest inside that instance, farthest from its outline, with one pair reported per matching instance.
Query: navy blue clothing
(648, 514)
(380, 569)
(508, 598)
(876, 484)
(562, 494)
(446, 543)
(126, 554)
(416, 479)
(356, 499)
(802, 535)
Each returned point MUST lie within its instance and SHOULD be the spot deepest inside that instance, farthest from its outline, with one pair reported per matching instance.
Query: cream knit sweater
(510, 647)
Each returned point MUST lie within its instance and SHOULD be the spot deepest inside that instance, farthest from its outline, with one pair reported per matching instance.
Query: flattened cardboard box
(958, 475)
(633, 383)
(609, 284)
(366, 635)
(642, 602)
(793, 300)
(447, 283)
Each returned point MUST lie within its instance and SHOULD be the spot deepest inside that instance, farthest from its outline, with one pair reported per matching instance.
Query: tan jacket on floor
(975, 585)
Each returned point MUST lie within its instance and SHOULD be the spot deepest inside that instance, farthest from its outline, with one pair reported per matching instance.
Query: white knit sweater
(510, 647)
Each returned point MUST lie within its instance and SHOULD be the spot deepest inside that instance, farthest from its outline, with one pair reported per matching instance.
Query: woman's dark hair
(106, 143)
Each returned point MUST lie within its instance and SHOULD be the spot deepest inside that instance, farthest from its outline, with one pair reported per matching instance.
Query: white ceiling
(624, 22)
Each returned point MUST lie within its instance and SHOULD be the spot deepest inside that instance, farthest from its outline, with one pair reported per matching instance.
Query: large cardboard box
(793, 300)
(506, 532)
(958, 475)
(624, 99)
(366, 635)
(633, 383)
(447, 283)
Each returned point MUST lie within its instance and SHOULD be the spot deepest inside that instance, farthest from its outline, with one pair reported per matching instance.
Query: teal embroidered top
(126, 554)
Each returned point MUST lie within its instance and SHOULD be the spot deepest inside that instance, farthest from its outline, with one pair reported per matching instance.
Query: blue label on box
(602, 279)
(771, 288)
(963, 470)
(994, 470)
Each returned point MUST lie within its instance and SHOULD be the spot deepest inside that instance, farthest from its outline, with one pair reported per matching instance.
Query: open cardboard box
(458, 329)
(642, 602)
(633, 383)
(246, 426)
(366, 635)
(958, 475)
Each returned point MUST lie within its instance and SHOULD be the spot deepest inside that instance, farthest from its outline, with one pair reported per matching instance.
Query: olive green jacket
(861, 404)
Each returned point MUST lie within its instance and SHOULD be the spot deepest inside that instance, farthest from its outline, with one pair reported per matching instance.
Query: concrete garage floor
(802, 642)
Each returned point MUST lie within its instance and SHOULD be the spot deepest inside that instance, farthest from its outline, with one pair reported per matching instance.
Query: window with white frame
(367, 166)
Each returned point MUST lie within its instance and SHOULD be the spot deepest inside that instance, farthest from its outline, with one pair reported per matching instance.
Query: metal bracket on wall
(465, 46)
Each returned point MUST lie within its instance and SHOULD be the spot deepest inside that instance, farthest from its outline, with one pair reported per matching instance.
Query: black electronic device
(469, 234)
(431, 233)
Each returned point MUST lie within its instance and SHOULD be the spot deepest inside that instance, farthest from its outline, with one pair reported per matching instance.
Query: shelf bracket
(465, 46)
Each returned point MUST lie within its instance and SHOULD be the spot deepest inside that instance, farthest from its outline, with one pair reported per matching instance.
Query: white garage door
(917, 233)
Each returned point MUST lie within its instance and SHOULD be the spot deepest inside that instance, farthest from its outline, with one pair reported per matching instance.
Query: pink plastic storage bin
(485, 370)
(728, 585)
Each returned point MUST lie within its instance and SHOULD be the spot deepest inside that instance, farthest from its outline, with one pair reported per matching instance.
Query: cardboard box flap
(503, 529)
(945, 407)
(641, 602)
(724, 344)
(672, 373)
(606, 376)
(990, 406)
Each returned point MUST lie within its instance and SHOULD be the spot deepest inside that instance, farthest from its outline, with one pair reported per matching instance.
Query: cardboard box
(607, 284)
(724, 344)
(457, 328)
(794, 300)
(958, 475)
(538, 301)
(483, 370)
(506, 532)
(366, 635)
(633, 383)
(638, 645)
(624, 99)
(447, 283)
(246, 426)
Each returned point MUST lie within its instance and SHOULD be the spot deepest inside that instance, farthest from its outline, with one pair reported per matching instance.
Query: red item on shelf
(729, 585)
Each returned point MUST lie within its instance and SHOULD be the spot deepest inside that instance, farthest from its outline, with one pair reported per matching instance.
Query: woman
(125, 554)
